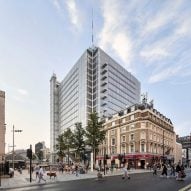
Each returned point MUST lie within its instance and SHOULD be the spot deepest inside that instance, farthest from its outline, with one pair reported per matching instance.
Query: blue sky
(151, 39)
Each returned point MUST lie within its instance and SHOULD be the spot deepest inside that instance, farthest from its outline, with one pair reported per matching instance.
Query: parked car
(11, 172)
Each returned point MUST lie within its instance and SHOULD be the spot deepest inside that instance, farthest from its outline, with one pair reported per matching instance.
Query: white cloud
(184, 27)
(57, 4)
(74, 14)
(152, 54)
(168, 13)
(164, 74)
(114, 35)
(167, 53)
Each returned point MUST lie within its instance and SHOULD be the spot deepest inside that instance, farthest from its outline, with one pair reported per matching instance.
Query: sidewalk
(22, 180)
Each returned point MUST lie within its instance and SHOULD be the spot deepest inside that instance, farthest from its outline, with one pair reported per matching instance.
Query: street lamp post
(14, 144)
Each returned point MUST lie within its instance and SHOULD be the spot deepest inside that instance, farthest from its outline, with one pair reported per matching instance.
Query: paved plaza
(23, 179)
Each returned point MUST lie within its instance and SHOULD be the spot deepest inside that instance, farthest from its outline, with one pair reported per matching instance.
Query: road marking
(186, 188)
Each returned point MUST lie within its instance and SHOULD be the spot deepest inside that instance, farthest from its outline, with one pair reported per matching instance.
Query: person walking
(172, 170)
(178, 170)
(76, 169)
(155, 169)
(41, 174)
(125, 172)
(36, 169)
(164, 170)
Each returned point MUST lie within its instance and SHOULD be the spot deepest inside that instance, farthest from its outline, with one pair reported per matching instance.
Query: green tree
(68, 138)
(60, 147)
(78, 139)
(94, 133)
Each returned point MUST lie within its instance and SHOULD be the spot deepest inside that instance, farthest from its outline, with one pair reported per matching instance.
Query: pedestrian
(172, 170)
(76, 169)
(178, 170)
(155, 169)
(164, 170)
(125, 172)
(36, 169)
(41, 174)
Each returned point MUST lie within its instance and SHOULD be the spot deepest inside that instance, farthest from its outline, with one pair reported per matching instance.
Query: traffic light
(29, 153)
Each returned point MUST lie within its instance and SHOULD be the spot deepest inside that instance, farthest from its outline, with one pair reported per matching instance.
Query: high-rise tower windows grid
(95, 83)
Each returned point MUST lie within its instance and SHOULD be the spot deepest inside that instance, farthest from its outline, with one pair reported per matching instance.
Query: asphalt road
(138, 182)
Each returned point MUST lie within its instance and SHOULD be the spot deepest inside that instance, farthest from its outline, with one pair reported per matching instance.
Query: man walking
(164, 170)
(41, 174)
(125, 172)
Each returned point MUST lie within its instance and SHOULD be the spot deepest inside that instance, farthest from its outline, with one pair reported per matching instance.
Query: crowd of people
(175, 170)
(73, 168)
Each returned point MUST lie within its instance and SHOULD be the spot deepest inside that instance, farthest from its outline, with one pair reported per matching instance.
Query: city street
(138, 182)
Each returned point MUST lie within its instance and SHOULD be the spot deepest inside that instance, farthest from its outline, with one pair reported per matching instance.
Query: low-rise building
(178, 153)
(137, 136)
(186, 149)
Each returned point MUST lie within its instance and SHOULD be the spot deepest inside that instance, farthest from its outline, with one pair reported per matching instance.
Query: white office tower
(95, 83)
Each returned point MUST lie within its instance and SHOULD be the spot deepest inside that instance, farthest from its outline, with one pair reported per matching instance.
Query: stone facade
(137, 136)
(178, 153)
(2, 125)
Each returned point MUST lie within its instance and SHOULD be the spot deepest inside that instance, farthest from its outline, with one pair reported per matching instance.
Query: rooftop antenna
(92, 28)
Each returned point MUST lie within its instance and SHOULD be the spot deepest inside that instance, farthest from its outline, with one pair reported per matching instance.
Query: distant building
(186, 149)
(138, 136)
(39, 148)
(95, 83)
(2, 125)
(178, 153)
(42, 152)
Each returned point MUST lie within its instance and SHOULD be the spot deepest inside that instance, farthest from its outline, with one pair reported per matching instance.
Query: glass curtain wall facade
(95, 83)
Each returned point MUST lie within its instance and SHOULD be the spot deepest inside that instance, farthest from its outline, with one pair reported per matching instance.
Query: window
(132, 117)
(132, 126)
(132, 137)
(123, 129)
(154, 137)
(113, 123)
(132, 148)
(123, 120)
(143, 125)
(113, 141)
(151, 136)
(155, 148)
(132, 108)
(142, 147)
(123, 138)
(151, 147)
(113, 132)
(143, 135)
(113, 150)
